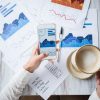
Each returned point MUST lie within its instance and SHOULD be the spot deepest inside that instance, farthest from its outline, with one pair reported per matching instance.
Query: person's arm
(14, 88)
(96, 94)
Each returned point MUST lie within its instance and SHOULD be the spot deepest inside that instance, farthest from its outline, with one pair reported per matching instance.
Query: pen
(60, 39)
(61, 34)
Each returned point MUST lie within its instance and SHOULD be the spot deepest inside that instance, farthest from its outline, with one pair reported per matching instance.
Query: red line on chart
(63, 16)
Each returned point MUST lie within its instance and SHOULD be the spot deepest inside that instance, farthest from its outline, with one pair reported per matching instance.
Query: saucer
(74, 72)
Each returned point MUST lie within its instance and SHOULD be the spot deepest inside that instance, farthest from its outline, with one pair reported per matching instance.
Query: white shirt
(14, 89)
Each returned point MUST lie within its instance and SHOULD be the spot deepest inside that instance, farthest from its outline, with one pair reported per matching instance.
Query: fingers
(36, 50)
(41, 56)
(57, 41)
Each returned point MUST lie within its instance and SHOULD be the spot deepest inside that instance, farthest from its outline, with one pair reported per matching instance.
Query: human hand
(35, 60)
(98, 83)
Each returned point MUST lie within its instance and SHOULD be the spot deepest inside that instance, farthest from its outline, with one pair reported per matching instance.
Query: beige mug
(86, 59)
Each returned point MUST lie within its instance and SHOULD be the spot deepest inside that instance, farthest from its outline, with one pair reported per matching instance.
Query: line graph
(62, 16)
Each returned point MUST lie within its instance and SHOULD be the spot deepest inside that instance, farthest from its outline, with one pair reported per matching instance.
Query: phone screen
(47, 38)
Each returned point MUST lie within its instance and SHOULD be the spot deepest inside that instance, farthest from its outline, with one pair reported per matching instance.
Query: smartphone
(47, 40)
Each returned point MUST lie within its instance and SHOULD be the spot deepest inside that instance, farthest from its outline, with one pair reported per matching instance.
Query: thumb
(42, 56)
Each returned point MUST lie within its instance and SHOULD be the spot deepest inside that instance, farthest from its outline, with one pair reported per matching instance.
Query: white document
(47, 78)
(17, 30)
(34, 6)
(67, 13)
(86, 36)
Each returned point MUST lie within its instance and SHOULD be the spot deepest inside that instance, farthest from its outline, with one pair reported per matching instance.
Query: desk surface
(70, 86)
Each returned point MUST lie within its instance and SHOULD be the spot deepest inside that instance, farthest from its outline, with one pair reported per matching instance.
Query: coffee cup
(86, 59)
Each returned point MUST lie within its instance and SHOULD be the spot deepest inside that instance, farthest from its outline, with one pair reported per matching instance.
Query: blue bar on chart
(51, 32)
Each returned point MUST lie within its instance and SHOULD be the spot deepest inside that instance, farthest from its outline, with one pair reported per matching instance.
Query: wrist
(29, 69)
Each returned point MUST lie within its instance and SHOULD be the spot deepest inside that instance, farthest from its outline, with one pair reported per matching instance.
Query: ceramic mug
(86, 59)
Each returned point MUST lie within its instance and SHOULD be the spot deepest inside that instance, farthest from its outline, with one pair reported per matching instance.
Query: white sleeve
(94, 96)
(14, 88)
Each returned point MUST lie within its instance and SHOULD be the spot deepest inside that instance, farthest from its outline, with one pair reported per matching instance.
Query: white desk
(70, 86)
